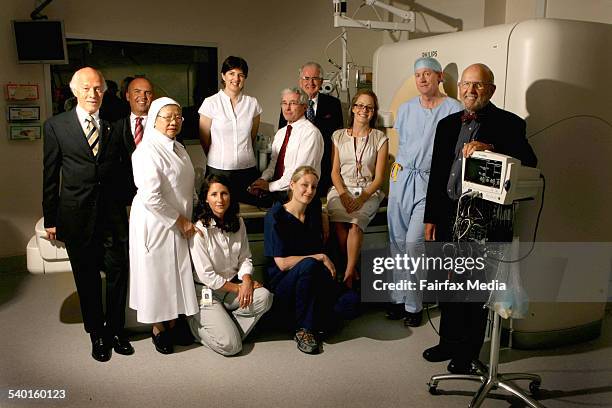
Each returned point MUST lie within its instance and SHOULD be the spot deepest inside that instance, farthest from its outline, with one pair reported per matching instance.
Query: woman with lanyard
(229, 121)
(359, 161)
(416, 124)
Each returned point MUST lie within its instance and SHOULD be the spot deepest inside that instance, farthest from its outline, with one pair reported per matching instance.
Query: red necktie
(138, 131)
(280, 160)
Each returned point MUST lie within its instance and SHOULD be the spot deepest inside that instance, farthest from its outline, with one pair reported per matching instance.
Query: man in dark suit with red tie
(325, 112)
(81, 206)
(139, 94)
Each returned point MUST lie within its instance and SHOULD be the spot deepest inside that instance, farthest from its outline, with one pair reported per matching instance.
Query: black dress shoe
(413, 319)
(395, 311)
(100, 349)
(457, 366)
(163, 342)
(436, 354)
(122, 345)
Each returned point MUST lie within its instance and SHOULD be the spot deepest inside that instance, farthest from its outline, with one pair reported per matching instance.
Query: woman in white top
(358, 170)
(231, 302)
(161, 282)
(229, 121)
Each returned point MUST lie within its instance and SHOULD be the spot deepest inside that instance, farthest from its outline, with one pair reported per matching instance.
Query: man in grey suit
(83, 209)
(139, 95)
(325, 112)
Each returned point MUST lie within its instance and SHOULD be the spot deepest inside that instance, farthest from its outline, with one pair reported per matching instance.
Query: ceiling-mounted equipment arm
(35, 15)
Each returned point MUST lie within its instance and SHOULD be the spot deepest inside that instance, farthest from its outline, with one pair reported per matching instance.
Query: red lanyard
(358, 160)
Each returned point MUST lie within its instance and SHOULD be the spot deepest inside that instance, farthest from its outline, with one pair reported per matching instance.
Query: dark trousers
(309, 292)
(462, 324)
(239, 181)
(104, 252)
(462, 329)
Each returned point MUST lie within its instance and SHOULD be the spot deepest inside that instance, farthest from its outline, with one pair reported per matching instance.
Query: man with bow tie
(480, 126)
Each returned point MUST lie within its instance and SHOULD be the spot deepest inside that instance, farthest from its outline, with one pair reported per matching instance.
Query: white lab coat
(161, 280)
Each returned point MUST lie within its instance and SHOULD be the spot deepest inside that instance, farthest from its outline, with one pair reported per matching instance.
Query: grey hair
(303, 97)
(75, 78)
(312, 64)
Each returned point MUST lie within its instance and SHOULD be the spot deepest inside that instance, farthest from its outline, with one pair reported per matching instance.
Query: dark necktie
(310, 113)
(280, 160)
(138, 131)
(92, 135)
(469, 116)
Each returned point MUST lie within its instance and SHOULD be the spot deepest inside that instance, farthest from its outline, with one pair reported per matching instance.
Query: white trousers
(223, 325)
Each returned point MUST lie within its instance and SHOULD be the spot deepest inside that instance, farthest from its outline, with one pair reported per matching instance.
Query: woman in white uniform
(231, 302)
(359, 160)
(161, 282)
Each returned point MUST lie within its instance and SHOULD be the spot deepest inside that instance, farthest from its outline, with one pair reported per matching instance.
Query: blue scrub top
(417, 128)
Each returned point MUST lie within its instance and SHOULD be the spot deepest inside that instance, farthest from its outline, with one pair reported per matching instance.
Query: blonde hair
(298, 174)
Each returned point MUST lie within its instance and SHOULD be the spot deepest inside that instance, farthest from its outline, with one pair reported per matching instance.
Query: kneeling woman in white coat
(231, 302)
(161, 282)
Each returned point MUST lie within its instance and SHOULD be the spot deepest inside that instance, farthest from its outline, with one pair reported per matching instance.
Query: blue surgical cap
(427, 62)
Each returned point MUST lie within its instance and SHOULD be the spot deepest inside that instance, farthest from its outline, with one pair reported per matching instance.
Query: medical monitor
(499, 178)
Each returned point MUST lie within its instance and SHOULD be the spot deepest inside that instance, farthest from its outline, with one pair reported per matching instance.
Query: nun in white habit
(161, 279)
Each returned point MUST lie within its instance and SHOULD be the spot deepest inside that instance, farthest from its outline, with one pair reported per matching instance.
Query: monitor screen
(40, 41)
(483, 172)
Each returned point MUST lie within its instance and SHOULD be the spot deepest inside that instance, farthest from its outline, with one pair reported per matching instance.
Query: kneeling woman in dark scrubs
(301, 276)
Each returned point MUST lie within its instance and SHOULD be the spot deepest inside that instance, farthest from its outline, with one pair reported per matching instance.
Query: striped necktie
(92, 135)
(138, 131)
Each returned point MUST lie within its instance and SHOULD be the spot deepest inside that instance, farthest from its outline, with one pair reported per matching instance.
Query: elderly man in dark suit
(82, 209)
(139, 95)
(480, 126)
(325, 112)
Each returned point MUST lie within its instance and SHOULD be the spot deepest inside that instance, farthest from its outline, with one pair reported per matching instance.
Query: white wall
(274, 36)
(20, 161)
(599, 11)
(585, 10)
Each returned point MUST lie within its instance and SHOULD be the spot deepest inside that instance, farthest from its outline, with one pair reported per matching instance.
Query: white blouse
(219, 256)
(231, 147)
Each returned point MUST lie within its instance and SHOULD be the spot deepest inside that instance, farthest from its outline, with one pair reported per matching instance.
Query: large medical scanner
(556, 75)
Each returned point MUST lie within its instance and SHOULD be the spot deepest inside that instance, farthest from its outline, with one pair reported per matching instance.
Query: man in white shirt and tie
(297, 144)
(325, 112)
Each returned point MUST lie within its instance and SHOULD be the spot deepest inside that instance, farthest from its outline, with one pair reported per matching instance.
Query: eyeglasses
(293, 104)
(478, 85)
(169, 119)
(367, 108)
(308, 79)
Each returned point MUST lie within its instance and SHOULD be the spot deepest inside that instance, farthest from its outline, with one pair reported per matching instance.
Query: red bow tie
(469, 116)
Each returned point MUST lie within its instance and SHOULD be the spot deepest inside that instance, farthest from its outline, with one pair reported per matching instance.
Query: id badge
(206, 299)
(356, 191)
